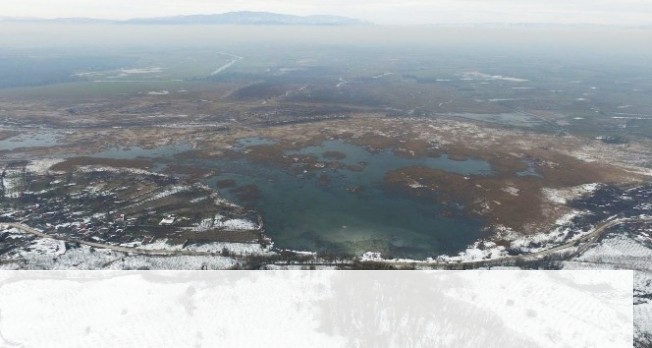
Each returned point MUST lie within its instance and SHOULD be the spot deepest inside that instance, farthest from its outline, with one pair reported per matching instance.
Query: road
(586, 239)
(589, 238)
(227, 65)
(542, 119)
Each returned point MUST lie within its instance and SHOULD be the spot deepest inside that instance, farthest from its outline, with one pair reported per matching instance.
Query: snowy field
(223, 223)
(240, 249)
(86, 258)
(625, 252)
(51, 254)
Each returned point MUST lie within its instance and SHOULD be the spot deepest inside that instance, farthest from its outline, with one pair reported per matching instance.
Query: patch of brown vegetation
(226, 183)
(355, 167)
(324, 180)
(415, 148)
(375, 142)
(273, 154)
(4, 134)
(506, 198)
(565, 170)
(334, 155)
(455, 156)
(482, 196)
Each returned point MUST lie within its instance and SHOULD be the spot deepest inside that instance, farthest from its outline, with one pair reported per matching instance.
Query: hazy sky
(617, 12)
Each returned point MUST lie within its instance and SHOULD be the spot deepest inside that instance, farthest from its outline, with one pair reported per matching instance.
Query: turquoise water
(32, 138)
(377, 164)
(353, 211)
(345, 211)
(531, 170)
(252, 141)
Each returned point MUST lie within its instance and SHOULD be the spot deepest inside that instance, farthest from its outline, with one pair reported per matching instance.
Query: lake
(347, 211)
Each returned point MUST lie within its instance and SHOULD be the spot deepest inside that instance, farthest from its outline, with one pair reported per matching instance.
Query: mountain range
(229, 18)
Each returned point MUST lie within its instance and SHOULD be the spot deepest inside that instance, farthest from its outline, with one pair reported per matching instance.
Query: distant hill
(250, 18)
(233, 18)
(57, 20)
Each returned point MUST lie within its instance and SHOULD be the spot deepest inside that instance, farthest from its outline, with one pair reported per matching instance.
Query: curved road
(589, 238)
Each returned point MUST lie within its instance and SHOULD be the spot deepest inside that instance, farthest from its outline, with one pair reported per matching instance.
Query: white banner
(316, 309)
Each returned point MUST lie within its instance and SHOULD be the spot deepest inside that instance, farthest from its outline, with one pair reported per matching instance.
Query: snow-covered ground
(298, 267)
(47, 253)
(44, 246)
(41, 166)
(50, 254)
(97, 168)
(158, 92)
(12, 182)
(234, 248)
(625, 252)
(171, 191)
(160, 195)
(236, 224)
(221, 222)
(240, 249)
(476, 75)
(618, 251)
(562, 196)
(198, 199)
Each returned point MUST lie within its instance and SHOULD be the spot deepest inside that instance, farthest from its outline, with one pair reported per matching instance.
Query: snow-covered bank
(42, 166)
(221, 222)
(240, 249)
(489, 250)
